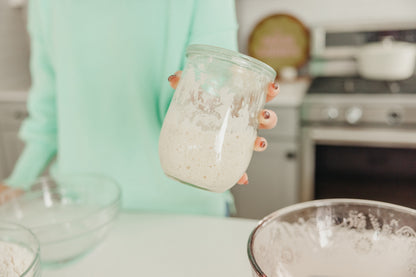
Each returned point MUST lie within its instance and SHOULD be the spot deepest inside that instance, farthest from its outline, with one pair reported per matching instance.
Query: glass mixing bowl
(335, 238)
(69, 215)
(20, 247)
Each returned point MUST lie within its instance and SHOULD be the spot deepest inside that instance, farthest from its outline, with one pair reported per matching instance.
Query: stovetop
(361, 102)
(357, 85)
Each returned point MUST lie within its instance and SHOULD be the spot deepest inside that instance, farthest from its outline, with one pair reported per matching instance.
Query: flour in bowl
(14, 259)
(315, 249)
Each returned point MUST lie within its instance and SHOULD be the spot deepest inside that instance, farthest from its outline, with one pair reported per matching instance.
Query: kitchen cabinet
(14, 48)
(273, 181)
(11, 117)
(273, 174)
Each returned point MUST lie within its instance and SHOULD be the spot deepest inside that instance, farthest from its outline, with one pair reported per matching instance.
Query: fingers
(243, 180)
(267, 119)
(9, 194)
(174, 79)
(260, 144)
(272, 91)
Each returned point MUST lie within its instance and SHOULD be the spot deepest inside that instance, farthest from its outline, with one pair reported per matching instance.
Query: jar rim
(234, 56)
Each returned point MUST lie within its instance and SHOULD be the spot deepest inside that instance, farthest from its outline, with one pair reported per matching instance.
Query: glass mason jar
(208, 135)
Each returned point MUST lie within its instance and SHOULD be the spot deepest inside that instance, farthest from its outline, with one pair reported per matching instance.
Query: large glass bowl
(69, 215)
(335, 238)
(19, 246)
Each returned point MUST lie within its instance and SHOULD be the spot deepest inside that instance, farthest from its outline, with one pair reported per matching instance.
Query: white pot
(387, 60)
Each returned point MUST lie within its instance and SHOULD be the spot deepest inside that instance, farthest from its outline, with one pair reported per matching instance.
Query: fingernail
(275, 85)
(171, 77)
(262, 144)
(266, 114)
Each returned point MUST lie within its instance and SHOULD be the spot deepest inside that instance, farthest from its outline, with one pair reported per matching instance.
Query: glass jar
(208, 135)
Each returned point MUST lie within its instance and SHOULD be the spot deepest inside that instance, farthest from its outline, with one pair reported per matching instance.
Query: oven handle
(365, 137)
(310, 136)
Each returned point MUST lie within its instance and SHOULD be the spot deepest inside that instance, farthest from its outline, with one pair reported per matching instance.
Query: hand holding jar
(210, 129)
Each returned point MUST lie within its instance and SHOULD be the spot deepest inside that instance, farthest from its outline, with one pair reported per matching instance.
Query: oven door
(376, 164)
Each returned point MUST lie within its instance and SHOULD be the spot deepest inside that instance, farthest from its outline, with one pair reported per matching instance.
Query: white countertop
(167, 246)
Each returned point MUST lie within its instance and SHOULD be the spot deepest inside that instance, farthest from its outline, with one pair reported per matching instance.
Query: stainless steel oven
(360, 142)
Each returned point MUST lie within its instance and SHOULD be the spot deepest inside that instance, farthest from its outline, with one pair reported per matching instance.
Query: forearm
(39, 130)
(33, 161)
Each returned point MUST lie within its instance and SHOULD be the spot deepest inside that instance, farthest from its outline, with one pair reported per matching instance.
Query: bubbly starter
(208, 142)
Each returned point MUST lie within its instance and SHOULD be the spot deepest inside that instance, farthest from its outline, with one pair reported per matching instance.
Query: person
(99, 93)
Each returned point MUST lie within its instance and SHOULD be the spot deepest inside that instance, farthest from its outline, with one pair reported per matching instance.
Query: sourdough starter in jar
(208, 135)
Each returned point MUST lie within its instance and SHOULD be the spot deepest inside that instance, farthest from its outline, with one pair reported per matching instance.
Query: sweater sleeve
(211, 22)
(39, 130)
(215, 23)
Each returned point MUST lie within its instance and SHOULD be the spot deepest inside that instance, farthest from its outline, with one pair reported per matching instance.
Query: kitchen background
(318, 121)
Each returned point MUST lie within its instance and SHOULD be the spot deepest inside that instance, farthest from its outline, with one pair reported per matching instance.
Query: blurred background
(347, 108)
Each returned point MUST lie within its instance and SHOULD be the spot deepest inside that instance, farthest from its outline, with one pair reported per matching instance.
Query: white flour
(299, 250)
(14, 259)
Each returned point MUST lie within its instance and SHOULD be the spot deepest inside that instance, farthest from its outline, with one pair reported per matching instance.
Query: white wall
(323, 12)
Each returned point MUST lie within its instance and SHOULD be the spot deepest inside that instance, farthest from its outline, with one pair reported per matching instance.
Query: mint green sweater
(100, 92)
